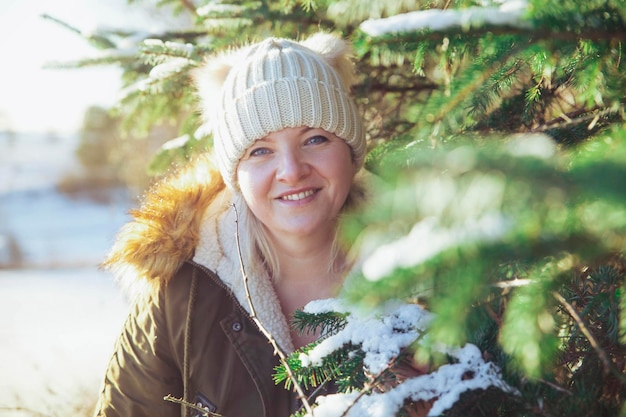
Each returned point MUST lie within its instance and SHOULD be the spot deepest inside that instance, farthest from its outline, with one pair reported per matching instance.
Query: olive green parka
(189, 334)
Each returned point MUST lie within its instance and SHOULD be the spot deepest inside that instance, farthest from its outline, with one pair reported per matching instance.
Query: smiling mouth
(298, 196)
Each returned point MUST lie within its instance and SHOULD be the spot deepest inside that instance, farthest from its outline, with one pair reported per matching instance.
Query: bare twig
(556, 387)
(368, 387)
(189, 6)
(606, 362)
(180, 401)
(576, 117)
(268, 335)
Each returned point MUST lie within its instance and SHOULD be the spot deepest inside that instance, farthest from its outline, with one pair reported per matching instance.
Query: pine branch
(475, 78)
(97, 40)
(533, 35)
(62, 23)
(277, 350)
(330, 322)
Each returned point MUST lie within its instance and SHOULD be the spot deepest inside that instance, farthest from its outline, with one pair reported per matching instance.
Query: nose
(293, 167)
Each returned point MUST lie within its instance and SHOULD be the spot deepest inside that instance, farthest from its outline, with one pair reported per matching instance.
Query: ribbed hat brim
(285, 102)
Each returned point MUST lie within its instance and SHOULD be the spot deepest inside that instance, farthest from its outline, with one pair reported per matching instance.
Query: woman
(288, 142)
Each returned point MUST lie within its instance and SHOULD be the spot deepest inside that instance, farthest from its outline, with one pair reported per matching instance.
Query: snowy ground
(56, 335)
(60, 313)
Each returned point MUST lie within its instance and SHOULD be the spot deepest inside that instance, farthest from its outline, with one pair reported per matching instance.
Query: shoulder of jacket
(182, 281)
(164, 230)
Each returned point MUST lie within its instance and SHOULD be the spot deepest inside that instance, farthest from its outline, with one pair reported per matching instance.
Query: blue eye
(258, 152)
(317, 139)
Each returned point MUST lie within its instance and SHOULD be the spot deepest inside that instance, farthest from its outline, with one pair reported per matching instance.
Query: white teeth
(298, 196)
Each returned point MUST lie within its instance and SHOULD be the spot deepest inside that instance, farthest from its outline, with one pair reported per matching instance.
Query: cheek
(252, 184)
(343, 171)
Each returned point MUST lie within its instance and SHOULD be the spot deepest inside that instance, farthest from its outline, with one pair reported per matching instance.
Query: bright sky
(37, 99)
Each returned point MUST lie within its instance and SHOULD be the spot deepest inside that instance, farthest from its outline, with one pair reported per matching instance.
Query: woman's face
(296, 180)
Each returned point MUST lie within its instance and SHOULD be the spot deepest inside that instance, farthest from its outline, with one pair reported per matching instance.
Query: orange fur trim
(165, 229)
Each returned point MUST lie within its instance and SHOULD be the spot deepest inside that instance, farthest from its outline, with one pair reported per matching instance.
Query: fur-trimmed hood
(190, 216)
(165, 228)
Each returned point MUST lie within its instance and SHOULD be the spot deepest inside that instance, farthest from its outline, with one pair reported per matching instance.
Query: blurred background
(496, 126)
(61, 203)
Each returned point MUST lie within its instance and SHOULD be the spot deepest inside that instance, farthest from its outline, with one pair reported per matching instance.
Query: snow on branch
(381, 336)
(169, 66)
(172, 66)
(509, 13)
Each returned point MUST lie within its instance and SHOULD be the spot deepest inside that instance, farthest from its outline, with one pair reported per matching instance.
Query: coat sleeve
(143, 368)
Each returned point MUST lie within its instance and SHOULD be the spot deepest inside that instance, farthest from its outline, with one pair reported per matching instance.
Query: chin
(309, 228)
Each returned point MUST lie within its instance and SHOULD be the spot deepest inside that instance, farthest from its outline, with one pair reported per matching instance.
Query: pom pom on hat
(261, 88)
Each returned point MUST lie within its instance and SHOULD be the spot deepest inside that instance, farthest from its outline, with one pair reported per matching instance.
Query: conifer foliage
(498, 158)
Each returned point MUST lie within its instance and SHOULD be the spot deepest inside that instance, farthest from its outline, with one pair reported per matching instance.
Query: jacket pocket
(200, 400)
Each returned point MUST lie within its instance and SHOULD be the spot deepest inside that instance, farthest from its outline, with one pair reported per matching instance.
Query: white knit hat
(274, 84)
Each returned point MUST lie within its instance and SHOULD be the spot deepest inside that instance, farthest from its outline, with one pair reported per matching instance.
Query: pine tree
(498, 152)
